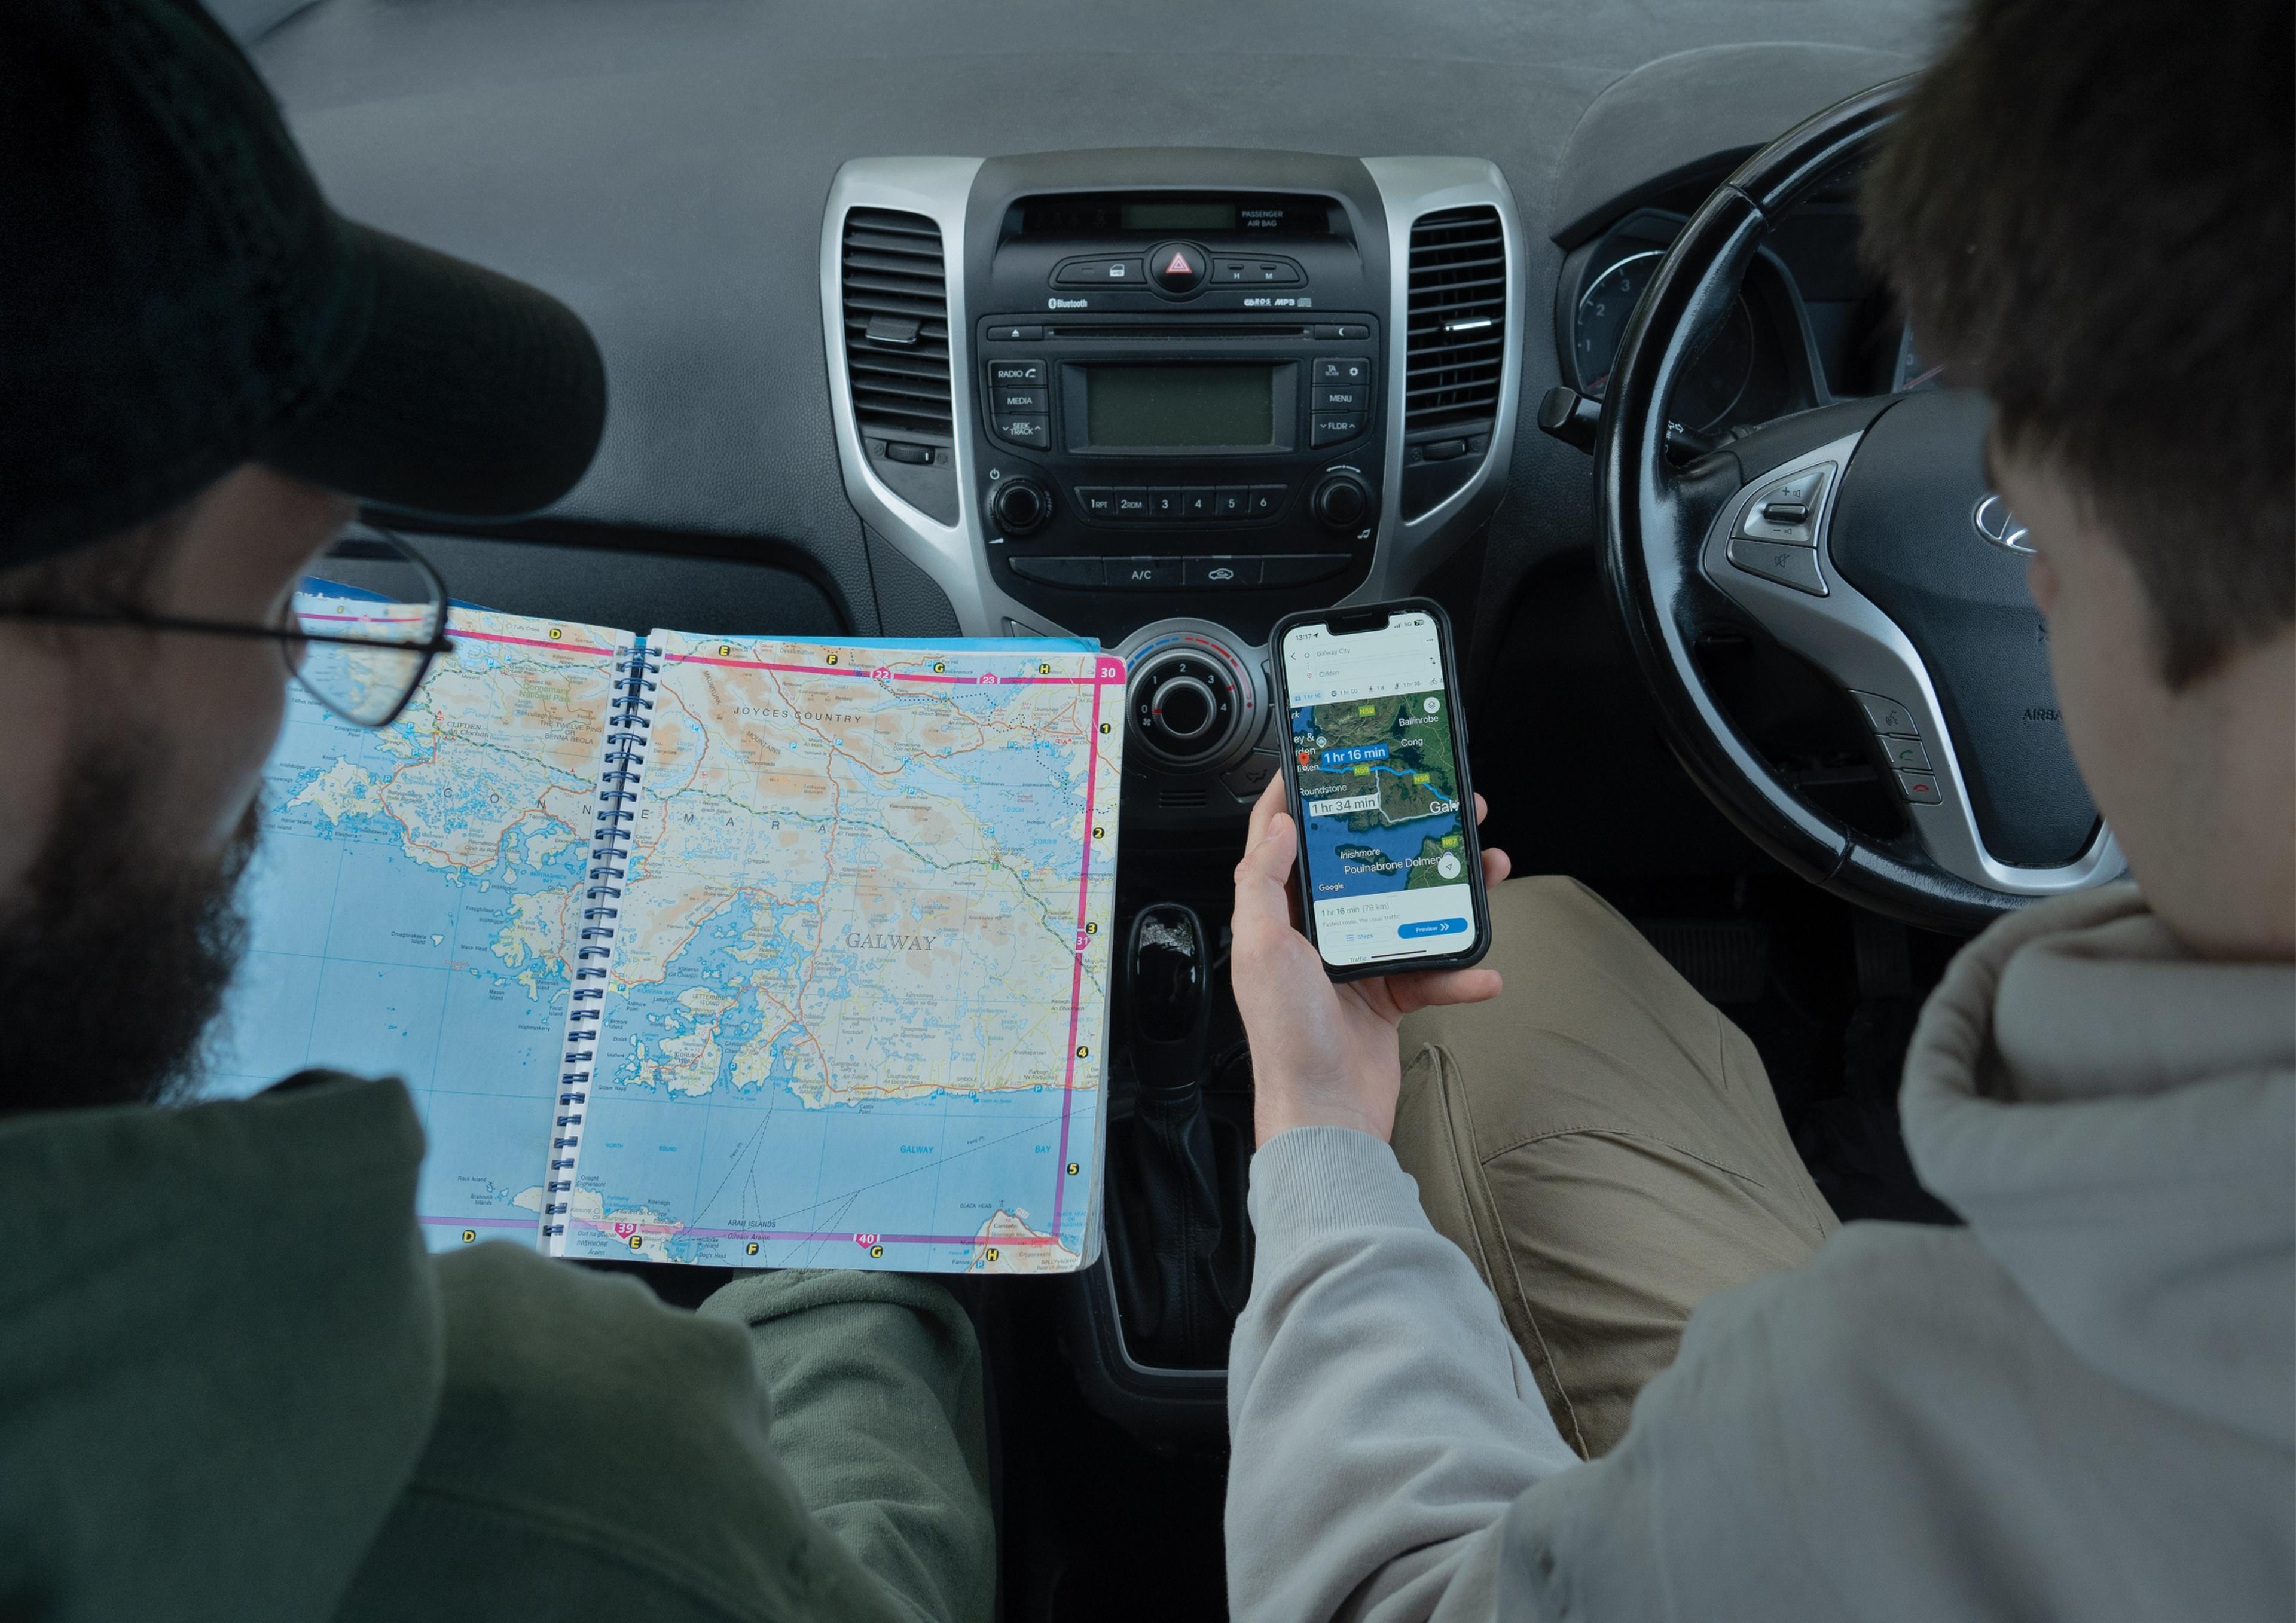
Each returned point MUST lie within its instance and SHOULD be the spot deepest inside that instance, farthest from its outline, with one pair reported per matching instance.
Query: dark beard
(114, 955)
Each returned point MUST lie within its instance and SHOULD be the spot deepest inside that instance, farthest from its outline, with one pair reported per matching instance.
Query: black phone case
(1458, 720)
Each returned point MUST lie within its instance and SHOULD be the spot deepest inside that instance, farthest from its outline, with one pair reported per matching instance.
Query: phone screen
(1384, 830)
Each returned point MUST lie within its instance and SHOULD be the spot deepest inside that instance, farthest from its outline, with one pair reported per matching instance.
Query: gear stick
(1175, 1213)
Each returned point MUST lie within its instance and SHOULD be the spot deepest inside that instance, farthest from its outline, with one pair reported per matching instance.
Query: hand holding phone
(1323, 1051)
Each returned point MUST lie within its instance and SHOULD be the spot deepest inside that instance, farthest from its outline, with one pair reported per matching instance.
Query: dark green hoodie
(236, 1386)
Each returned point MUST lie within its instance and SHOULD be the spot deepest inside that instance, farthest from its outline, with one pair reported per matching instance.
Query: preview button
(1432, 927)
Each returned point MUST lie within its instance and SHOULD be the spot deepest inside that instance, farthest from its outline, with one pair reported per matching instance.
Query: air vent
(897, 325)
(1457, 330)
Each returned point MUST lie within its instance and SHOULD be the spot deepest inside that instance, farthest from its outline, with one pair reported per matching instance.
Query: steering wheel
(1862, 537)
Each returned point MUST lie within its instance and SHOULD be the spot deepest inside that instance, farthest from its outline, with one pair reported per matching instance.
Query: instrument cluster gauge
(1716, 376)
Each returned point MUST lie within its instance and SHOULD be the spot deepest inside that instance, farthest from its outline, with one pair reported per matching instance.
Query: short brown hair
(2091, 206)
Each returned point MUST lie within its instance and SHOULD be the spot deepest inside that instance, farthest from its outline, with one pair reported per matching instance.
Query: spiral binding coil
(628, 723)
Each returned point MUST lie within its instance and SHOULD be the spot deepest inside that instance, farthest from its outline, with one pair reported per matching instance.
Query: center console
(1162, 398)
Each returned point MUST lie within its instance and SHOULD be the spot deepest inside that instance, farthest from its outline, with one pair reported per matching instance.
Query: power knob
(1020, 507)
(1340, 502)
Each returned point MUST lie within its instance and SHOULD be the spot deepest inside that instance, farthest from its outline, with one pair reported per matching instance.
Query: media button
(1196, 503)
(1131, 501)
(1297, 568)
(1032, 402)
(1096, 500)
(1266, 501)
(1232, 501)
(1017, 374)
(1100, 273)
(1342, 369)
(1218, 573)
(1058, 571)
(1333, 428)
(1164, 503)
(1144, 574)
(1035, 432)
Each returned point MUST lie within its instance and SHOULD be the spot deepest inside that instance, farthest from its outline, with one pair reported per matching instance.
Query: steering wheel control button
(1344, 369)
(1786, 510)
(1177, 268)
(1034, 432)
(1786, 563)
(1920, 787)
(1100, 273)
(1131, 503)
(1218, 574)
(1144, 574)
(1072, 572)
(1016, 374)
(1887, 716)
(1905, 754)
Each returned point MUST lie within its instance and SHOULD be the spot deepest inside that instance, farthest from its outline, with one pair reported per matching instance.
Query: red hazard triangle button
(1177, 267)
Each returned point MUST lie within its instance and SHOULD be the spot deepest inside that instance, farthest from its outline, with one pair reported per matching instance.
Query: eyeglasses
(365, 624)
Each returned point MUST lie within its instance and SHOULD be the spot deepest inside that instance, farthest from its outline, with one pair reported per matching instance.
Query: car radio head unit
(1179, 393)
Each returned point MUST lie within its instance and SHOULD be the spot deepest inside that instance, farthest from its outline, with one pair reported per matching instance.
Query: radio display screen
(1180, 407)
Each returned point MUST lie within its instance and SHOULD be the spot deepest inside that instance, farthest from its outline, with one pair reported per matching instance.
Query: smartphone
(1376, 766)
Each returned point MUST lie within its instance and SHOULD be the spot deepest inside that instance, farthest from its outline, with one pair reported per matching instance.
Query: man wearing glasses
(236, 1385)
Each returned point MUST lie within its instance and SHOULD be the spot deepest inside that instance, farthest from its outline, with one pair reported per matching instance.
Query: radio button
(1027, 402)
(1058, 571)
(1101, 273)
(1164, 503)
(1017, 374)
(1232, 501)
(1144, 574)
(1342, 369)
(1131, 502)
(1216, 573)
(1035, 432)
(1342, 397)
(1266, 501)
(1297, 568)
(1196, 503)
(1333, 428)
(1096, 500)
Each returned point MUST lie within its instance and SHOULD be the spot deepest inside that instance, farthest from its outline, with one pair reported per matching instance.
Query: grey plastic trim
(1408, 188)
(1846, 634)
(952, 555)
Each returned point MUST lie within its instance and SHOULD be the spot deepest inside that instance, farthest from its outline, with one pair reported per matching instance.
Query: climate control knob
(1185, 707)
(1340, 502)
(1020, 507)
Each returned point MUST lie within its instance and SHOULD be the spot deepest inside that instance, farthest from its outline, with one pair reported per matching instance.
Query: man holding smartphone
(1462, 1386)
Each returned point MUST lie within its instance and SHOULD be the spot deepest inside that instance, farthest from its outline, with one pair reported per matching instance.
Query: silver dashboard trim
(954, 555)
(1409, 188)
(1847, 635)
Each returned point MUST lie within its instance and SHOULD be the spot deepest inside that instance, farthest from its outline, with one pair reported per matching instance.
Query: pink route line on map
(1105, 671)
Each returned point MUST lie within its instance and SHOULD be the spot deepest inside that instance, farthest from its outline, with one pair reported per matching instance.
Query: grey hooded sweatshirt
(2082, 1404)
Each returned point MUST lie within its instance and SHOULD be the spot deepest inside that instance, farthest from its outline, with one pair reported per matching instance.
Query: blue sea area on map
(1325, 837)
(365, 960)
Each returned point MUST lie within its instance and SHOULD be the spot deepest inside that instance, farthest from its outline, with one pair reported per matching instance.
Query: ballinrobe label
(864, 941)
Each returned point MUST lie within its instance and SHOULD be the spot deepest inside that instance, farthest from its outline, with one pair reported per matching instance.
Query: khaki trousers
(1604, 1145)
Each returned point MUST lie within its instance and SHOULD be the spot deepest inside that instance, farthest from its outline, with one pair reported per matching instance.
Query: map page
(858, 1003)
(1384, 834)
(411, 903)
